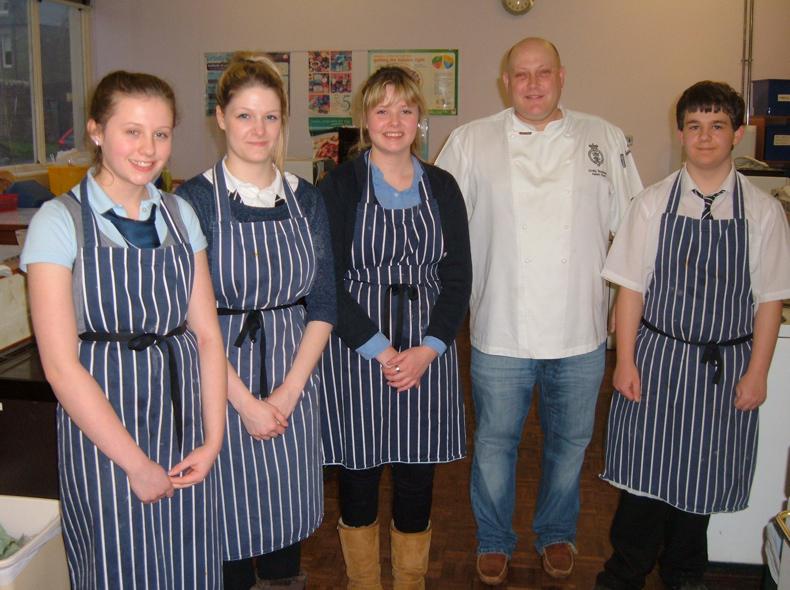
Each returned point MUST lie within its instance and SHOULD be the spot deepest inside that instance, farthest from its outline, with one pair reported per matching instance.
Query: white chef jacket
(541, 205)
(632, 259)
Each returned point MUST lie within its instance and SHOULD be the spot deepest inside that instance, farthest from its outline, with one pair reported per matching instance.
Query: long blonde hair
(246, 69)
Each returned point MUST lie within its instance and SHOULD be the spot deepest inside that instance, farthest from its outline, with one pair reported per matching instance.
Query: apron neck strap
(290, 199)
(221, 200)
(172, 228)
(369, 193)
(738, 209)
(674, 194)
(90, 229)
(425, 188)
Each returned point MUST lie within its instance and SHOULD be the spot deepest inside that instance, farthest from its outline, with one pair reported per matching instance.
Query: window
(6, 45)
(42, 79)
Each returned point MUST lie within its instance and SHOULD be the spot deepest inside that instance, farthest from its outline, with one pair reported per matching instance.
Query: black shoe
(698, 585)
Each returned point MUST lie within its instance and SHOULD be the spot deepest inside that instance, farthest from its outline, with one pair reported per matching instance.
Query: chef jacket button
(524, 227)
(566, 226)
(527, 260)
(564, 260)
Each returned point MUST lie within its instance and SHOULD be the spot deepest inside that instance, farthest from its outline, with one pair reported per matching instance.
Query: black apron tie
(712, 350)
(253, 324)
(400, 293)
(140, 342)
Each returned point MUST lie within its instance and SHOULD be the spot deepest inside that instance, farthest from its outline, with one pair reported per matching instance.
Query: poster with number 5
(329, 83)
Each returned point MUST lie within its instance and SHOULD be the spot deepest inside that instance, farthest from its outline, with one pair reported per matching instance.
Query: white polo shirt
(541, 205)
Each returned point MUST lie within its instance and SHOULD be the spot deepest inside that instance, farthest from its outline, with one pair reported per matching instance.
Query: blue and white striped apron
(684, 442)
(113, 540)
(394, 278)
(271, 491)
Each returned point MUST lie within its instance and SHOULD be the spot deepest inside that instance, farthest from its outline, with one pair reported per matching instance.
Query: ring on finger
(397, 368)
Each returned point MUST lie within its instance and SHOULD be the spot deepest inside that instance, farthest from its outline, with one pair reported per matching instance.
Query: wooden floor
(452, 557)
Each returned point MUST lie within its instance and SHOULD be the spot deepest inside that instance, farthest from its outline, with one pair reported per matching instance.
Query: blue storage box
(771, 97)
(777, 142)
(773, 140)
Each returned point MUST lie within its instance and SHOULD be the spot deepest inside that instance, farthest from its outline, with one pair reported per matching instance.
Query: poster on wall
(329, 83)
(437, 70)
(217, 62)
(325, 136)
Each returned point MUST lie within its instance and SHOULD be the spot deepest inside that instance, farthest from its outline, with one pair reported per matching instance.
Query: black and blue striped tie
(706, 214)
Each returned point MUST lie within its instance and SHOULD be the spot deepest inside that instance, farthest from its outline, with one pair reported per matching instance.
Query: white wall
(626, 60)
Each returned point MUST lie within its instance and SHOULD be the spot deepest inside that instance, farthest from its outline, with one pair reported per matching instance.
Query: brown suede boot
(360, 547)
(409, 552)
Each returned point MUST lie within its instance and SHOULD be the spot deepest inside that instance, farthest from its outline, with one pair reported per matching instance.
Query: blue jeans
(502, 391)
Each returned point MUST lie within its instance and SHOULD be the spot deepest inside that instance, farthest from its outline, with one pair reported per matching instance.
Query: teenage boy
(703, 262)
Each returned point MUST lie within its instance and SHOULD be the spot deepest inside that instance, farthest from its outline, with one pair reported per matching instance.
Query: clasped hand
(150, 482)
(404, 370)
(262, 418)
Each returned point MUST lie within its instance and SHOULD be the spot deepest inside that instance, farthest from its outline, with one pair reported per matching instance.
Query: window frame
(37, 82)
(6, 49)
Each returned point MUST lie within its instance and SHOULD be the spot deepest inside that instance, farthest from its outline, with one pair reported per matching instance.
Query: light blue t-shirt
(390, 198)
(52, 236)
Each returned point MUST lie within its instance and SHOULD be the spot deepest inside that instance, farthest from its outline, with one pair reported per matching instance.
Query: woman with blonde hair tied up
(271, 266)
(390, 374)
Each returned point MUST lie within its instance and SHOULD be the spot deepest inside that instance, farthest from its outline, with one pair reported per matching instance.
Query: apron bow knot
(712, 354)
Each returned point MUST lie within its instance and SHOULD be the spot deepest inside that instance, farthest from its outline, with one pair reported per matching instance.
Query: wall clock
(518, 6)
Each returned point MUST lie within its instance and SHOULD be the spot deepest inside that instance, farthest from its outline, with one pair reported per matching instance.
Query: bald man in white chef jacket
(544, 186)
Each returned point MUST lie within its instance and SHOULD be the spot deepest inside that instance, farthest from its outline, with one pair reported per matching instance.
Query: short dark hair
(711, 97)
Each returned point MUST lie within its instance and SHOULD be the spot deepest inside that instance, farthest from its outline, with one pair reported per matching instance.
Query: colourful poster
(436, 69)
(217, 62)
(325, 135)
(329, 83)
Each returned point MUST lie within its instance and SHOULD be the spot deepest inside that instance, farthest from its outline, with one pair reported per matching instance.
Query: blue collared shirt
(52, 238)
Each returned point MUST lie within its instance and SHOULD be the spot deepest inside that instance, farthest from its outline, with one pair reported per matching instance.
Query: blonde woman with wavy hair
(390, 374)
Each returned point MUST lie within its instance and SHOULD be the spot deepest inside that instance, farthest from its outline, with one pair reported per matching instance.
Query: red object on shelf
(9, 202)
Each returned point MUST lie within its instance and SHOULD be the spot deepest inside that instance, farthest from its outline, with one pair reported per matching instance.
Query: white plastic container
(41, 562)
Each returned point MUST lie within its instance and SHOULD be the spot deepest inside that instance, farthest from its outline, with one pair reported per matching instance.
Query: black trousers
(645, 530)
(412, 495)
(283, 563)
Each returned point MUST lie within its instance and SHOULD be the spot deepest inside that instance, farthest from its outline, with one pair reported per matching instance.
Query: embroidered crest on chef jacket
(595, 155)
